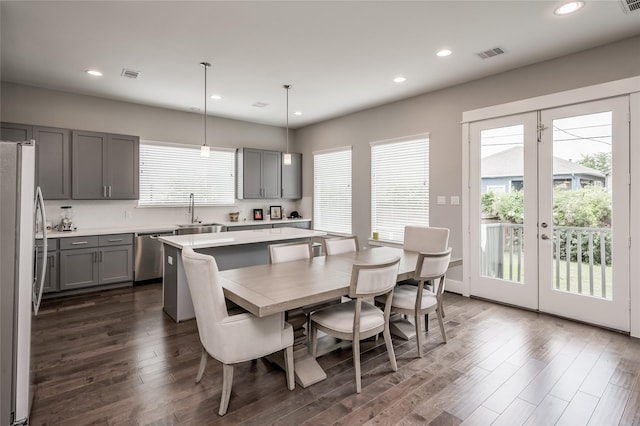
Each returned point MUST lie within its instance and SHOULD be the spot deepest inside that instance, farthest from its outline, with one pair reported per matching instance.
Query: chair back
(373, 279)
(426, 239)
(431, 266)
(340, 245)
(288, 252)
(206, 294)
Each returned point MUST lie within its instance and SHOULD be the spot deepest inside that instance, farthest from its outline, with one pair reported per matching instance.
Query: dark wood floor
(114, 358)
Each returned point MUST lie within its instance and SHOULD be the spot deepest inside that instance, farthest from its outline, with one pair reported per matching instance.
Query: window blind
(169, 173)
(332, 191)
(399, 186)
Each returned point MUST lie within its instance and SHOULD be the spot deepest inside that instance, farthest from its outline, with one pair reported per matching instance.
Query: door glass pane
(502, 203)
(582, 204)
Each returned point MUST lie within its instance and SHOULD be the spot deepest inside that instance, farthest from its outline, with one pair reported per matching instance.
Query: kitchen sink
(200, 228)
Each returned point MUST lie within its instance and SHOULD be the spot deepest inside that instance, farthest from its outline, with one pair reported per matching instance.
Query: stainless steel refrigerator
(21, 208)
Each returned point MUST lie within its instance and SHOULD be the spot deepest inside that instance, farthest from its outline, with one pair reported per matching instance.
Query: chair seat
(340, 317)
(404, 297)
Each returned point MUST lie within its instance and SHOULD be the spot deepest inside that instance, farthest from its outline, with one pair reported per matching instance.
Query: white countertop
(250, 236)
(83, 232)
(261, 222)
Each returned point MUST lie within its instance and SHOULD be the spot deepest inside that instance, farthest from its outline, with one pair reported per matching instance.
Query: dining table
(291, 286)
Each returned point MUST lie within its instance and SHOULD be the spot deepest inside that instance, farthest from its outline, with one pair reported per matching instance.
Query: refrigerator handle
(37, 294)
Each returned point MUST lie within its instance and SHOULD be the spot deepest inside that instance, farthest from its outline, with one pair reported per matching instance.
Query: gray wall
(32, 105)
(440, 114)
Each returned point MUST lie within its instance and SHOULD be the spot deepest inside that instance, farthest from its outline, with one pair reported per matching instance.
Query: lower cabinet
(95, 261)
(51, 275)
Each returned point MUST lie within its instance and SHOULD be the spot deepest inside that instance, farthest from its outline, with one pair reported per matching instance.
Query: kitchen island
(231, 250)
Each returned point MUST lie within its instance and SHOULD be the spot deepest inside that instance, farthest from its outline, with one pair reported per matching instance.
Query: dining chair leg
(419, 334)
(227, 383)
(203, 364)
(356, 364)
(442, 309)
(444, 336)
(288, 360)
(426, 322)
(389, 343)
(314, 341)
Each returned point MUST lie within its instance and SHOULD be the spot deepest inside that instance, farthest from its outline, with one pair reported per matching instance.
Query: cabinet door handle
(95, 257)
(78, 243)
(115, 240)
(109, 191)
(104, 192)
(100, 257)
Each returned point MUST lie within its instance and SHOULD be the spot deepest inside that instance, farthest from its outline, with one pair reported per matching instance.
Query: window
(399, 185)
(170, 172)
(332, 190)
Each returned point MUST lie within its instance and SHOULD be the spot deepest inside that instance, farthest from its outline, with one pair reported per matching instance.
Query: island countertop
(222, 239)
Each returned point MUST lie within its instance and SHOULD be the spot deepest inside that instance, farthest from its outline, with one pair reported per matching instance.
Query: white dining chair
(425, 239)
(340, 245)
(288, 252)
(418, 301)
(231, 339)
(359, 318)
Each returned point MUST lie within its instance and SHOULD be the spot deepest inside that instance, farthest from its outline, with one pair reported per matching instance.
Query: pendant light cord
(205, 65)
(287, 86)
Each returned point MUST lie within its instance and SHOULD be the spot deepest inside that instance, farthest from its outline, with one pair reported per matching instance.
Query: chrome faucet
(192, 208)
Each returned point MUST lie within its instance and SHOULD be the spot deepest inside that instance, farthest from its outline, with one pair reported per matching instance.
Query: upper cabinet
(292, 178)
(53, 157)
(53, 150)
(259, 174)
(105, 166)
(10, 132)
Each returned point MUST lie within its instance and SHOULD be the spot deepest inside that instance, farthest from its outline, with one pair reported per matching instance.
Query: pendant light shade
(286, 159)
(204, 149)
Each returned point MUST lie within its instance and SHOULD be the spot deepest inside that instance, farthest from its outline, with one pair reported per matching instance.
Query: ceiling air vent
(130, 73)
(260, 104)
(630, 5)
(492, 52)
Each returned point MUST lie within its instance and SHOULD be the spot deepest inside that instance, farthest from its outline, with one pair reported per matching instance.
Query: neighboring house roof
(510, 163)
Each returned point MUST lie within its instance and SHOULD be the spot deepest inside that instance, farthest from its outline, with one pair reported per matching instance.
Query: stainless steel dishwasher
(148, 256)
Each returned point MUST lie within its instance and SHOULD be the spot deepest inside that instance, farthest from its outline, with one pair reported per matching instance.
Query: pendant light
(286, 159)
(204, 149)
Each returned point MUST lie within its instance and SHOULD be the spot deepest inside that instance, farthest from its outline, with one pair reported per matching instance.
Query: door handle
(104, 191)
(109, 191)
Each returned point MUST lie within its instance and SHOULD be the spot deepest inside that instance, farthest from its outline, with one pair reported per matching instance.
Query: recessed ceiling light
(94, 73)
(399, 80)
(297, 113)
(444, 52)
(568, 8)
(216, 97)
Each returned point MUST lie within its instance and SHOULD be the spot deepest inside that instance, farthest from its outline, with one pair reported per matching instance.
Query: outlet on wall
(127, 214)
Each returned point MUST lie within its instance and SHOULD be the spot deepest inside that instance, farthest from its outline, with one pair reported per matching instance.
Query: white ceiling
(339, 56)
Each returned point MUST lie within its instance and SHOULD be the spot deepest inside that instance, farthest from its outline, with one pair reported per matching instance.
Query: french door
(549, 202)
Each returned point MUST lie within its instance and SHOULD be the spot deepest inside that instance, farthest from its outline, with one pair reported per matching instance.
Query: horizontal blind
(399, 186)
(169, 173)
(332, 191)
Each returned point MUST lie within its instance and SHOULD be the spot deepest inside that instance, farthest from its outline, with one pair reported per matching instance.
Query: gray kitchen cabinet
(11, 132)
(292, 178)
(101, 260)
(53, 162)
(105, 166)
(51, 276)
(303, 225)
(259, 174)
(78, 268)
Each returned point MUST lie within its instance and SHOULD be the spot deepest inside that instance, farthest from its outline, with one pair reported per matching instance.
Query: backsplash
(98, 214)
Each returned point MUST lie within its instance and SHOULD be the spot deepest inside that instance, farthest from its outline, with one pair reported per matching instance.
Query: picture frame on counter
(275, 212)
(257, 214)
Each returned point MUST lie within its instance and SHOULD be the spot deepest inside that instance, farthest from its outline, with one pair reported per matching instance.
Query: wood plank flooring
(114, 358)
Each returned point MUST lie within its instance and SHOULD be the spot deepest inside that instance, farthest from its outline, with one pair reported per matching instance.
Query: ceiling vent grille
(492, 52)
(130, 73)
(631, 5)
(260, 104)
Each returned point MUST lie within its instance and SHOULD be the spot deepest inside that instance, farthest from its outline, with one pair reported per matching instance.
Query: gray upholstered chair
(359, 318)
(418, 301)
(333, 246)
(231, 339)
